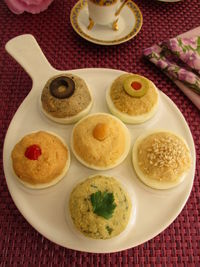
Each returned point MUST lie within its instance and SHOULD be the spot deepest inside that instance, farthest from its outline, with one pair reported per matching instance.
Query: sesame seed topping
(163, 154)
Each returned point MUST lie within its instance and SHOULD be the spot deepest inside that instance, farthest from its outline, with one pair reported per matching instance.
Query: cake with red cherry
(40, 159)
(133, 98)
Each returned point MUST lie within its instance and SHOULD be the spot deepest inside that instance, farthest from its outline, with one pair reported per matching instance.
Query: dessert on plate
(99, 207)
(66, 98)
(161, 159)
(133, 98)
(100, 141)
(40, 159)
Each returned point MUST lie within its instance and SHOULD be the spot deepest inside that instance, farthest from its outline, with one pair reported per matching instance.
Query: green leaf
(179, 42)
(190, 48)
(198, 45)
(194, 87)
(176, 69)
(103, 204)
(184, 49)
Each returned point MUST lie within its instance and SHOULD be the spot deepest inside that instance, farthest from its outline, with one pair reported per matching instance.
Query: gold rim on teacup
(104, 2)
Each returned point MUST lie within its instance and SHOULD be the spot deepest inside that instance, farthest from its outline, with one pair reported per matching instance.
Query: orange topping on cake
(100, 131)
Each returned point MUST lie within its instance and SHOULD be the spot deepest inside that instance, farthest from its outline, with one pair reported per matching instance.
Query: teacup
(104, 12)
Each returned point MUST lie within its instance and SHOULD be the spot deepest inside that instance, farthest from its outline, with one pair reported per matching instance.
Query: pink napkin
(179, 59)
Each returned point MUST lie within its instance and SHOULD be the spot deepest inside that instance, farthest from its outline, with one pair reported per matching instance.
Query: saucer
(170, 1)
(130, 23)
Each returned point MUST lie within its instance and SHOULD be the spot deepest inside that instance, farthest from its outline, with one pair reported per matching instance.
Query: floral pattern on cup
(103, 2)
(179, 59)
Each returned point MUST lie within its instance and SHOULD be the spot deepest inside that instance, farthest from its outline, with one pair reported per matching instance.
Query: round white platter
(45, 210)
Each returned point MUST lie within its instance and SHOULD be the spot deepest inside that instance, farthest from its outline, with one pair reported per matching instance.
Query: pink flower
(31, 6)
(162, 64)
(150, 50)
(187, 76)
(190, 41)
(195, 62)
(186, 57)
(173, 44)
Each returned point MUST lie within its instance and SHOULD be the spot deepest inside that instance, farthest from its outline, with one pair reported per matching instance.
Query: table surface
(20, 244)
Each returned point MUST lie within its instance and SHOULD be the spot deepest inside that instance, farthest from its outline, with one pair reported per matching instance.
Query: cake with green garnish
(133, 98)
(99, 207)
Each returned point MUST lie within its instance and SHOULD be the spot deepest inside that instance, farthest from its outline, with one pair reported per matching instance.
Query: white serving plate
(45, 209)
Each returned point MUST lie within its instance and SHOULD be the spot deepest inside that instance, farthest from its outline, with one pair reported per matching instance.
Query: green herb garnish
(109, 229)
(103, 204)
(94, 186)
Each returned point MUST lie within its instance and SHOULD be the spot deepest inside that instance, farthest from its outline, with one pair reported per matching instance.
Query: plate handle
(26, 51)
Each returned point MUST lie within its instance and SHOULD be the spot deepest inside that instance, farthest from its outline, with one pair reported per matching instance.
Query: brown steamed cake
(66, 98)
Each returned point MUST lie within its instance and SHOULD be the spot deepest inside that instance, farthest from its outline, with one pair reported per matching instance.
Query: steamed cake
(66, 98)
(161, 159)
(40, 159)
(132, 107)
(100, 141)
(96, 224)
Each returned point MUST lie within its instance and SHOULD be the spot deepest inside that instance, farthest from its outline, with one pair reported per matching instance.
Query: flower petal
(31, 6)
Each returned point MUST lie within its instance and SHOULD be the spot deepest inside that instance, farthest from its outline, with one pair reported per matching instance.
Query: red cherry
(33, 152)
(136, 85)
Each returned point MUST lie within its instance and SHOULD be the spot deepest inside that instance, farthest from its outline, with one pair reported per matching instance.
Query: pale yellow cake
(129, 108)
(100, 141)
(96, 219)
(161, 159)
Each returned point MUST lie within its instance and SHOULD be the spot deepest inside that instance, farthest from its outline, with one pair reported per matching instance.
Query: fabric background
(20, 244)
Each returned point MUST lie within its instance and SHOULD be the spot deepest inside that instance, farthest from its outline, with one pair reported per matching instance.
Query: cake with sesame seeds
(161, 159)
